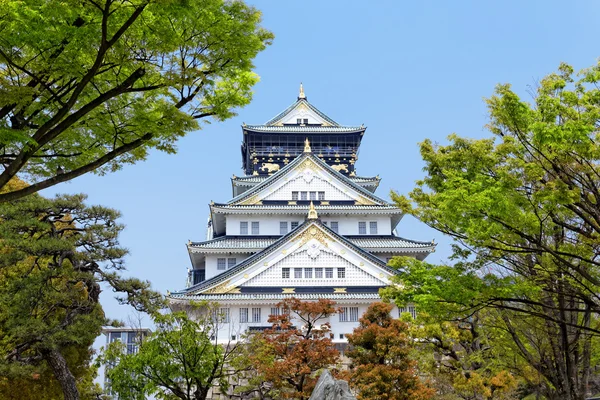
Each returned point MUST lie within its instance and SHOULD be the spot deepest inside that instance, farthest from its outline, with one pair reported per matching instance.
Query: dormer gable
(307, 178)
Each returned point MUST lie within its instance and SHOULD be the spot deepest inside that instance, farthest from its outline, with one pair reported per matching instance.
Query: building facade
(300, 224)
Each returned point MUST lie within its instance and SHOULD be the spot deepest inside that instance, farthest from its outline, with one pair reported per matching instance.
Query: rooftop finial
(301, 95)
(312, 213)
(307, 148)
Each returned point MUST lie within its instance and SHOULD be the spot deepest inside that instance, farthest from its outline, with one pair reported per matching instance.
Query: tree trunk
(62, 374)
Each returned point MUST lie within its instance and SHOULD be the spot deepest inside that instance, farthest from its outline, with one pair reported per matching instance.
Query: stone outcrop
(329, 388)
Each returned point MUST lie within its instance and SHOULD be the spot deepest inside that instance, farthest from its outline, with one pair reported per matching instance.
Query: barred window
(285, 273)
(255, 227)
(334, 226)
(224, 315)
(321, 195)
(298, 273)
(353, 314)
(341, 272)
(243, 314)
(243, 227)
(329, 273)
(221, 263)
(294, 195)
(294, 225)
(256, 315)
(275, 311)
(303, 196)
(319, 273)
(231, 262)
(343, 314)
(362, 228)
(308, 273)
(373, 227)
(313, 195)
(283, 227)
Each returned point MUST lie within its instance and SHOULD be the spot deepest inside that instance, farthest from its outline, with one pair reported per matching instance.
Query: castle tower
(300, 224)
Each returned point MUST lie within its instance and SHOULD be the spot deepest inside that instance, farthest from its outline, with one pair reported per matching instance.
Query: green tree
(180, 360)
(523, 208)
(55, 254)
(382, 367)
(92, 85)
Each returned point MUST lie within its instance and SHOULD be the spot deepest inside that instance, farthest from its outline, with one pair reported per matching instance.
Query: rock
(329, 388)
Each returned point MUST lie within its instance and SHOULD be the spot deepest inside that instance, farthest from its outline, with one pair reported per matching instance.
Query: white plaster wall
(354, 276)
(236, 328)
(269, 224)
(211, 262)
(316, 184)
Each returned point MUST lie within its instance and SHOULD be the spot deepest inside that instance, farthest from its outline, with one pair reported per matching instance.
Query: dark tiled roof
(305, 129)
(274, 296)
(253, 243)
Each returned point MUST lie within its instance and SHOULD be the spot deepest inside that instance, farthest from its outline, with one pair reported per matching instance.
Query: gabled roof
(243, 183)
(298, 161)
(301, 101)
(255, 258)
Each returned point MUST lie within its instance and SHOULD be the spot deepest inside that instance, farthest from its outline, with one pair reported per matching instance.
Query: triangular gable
(316, 246)
(307, 173)
(301, 109)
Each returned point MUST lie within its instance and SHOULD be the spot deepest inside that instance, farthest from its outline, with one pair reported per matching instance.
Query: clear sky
(407, 70)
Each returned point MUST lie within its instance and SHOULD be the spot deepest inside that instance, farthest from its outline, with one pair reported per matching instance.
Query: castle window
(319, 273)
(285, 273)
(329, 273)
(294, 224)
(303, 195)
(341, 273)
(362, 228)
(221, 263)
(256, 315)
(231, 262)
(255, 227)
(308, 273)
(275, 311)
(353, 314)
(243, 315)
(334, 226)
(224, 315)
(343, 314)
(298, 121)
(243, 227)
(294, 195)
(313, 195)
(283, 227)
(305, 121)
(298, 273)
(373, 227)
(321, 195)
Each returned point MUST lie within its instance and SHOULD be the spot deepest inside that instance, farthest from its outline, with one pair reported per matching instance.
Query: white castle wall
(269, 224)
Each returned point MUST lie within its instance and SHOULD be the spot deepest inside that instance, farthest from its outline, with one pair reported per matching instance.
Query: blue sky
(407, 70)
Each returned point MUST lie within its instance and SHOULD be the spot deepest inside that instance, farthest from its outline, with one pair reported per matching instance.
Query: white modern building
(300, 224)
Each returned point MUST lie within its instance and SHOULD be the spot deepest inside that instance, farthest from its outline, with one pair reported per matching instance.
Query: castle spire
(301, 95)
(312, 213)
(307, 148)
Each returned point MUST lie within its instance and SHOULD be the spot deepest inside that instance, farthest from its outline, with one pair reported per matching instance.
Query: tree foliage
(178, 361)
(523, 208)
(380, 351)
(55, 254)
(92, 85)
(296, 346)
